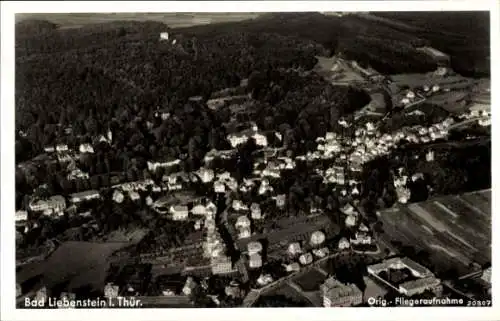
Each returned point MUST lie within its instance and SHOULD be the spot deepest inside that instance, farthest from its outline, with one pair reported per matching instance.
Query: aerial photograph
(267, 159)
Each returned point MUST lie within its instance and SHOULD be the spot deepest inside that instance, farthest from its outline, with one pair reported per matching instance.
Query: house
(322, 252)
(111, 291)
(206, 175)
(84, 196)
(219, 187)
(350, 220)
(245, 232)
(164, 36)
(179, 212)
(62, 148)
(265, 187)
(293, 267)
(255, 261)
(344, 244)
(49, 149)
(189, 286)
(486, 275)
(199, 210)
(421, 285)
(221, 265)
(55, 204)
(77, 174)
(260, 140)
(265, 279)
(306, 258)
(118, 196)
(254, 247)
(361, 238)
(21, 217)
(237, 139)
(280, 200)
(242, 222)
(134, 196)
(294, 248)
(154, 166)
(239, 206)
(337, 294)
(255, 211)
(86, 148)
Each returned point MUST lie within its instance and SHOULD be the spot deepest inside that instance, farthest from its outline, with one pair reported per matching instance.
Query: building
(189, 286)
(62, 148)
(344, 244)
(242, 222)
(118, 196)
(419, 286)
(219, 187)
(486, 276)
(293, 267)
(306, 259)
(255, 211)
(179, 212)
(265, 279)
(86, 148)
(21, 216)
(254, 248)
(164, 36)
(350, 220)
(206, 175)
(111, 291)
(154, 166)
(280, 200)
(294, 248)
(398, 263)
(255, 261)
(221, 265)
(55, 204)
(245, 232)
(337, 294)
(199, 210)
(134, 196)
(84, 196)
(238, 205)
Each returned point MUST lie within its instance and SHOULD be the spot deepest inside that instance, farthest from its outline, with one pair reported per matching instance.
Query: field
(173, 20)
(290, 293)
(455, 230)
(311, 280)
(76, 264)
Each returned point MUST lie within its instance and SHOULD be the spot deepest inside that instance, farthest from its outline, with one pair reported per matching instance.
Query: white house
(86, 148)
(118, 196)
(164, 36)
(62, 148)
(179, 212)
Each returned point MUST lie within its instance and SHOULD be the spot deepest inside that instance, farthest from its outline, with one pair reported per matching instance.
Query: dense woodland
(118, 76)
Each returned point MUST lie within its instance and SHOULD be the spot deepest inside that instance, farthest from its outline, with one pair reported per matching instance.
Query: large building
(54, 204)
(425, 279)
(337, 294)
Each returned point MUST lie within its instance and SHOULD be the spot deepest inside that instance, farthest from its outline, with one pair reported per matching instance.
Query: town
(351, 207)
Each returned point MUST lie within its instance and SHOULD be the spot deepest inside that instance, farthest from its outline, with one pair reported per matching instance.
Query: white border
(8, 9)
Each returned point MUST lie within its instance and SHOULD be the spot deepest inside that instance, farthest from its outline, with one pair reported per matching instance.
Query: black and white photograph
(259, 159)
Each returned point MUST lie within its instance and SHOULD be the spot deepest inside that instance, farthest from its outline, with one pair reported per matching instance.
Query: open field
(290, 293)
(78, 264)
(455, 230)
(172, 19)
(311, 280)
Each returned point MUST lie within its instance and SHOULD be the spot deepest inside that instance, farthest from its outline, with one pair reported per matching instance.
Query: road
(254, 294)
